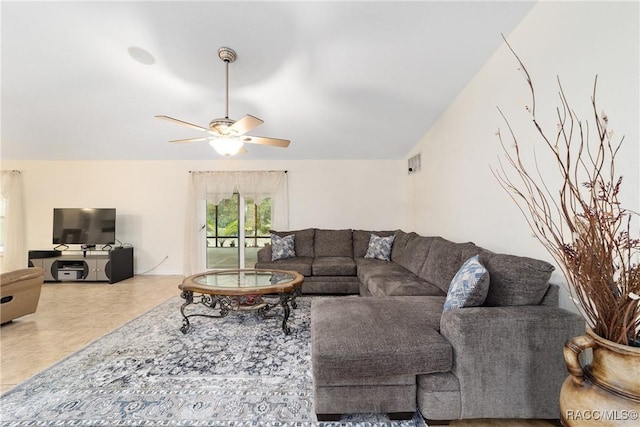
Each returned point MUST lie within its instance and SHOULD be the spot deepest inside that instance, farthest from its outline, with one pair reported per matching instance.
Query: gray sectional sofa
(390, 347)
(326, 258)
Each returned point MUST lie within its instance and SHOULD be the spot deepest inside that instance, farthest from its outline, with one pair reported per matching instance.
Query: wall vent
(414, 164)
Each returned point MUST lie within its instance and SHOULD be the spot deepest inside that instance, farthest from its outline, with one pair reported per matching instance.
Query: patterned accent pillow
(380, 247)
(469, 286)
(282, 247)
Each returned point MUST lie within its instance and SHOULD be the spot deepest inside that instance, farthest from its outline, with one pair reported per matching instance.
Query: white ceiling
(341, 80)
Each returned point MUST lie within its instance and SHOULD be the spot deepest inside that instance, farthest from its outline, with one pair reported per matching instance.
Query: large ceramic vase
(607, 391)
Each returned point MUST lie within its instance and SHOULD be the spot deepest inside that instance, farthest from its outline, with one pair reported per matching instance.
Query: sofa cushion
(264, 253)
(385, 337)
(300, 264)
(343, 285)
(399, 285)
(469, 286)
(444, 261)
(333, 266)
(380, 247)
(415, 253)
(333, 243)
(400, 244)
(516, 280)
(303, 241)
(361, 240)
(368, 268)
(282, 247)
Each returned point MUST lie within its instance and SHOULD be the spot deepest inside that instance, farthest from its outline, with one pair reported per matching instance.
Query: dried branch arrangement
(581, 223)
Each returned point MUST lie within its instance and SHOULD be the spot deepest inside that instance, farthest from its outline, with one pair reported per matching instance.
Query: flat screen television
(84, 226)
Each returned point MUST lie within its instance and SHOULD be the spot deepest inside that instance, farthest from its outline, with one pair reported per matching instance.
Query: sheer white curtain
(14, 255)
(217, 186)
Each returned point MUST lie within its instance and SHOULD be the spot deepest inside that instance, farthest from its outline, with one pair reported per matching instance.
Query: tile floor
(73, 314)
(70, 315)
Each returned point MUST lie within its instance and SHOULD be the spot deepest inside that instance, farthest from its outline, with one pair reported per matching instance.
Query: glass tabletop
(242, 279)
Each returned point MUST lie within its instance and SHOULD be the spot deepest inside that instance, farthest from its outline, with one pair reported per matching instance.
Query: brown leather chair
(20, 292)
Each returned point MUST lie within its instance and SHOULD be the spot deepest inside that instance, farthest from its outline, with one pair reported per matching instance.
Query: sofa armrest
(264, 254)
(552, 296)
(509, 360)
(21, 275)
(20, 292)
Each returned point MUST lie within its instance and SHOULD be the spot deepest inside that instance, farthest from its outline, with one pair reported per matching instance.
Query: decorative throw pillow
(282, 247)
(469, 286)
(380, 247)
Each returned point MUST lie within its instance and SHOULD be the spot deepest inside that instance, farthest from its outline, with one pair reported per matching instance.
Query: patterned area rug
(237, 371)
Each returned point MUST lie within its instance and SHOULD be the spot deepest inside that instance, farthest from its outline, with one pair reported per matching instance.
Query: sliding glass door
(236, 229)
(224, 230)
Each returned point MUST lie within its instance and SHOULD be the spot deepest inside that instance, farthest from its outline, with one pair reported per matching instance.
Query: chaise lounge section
(497, 354)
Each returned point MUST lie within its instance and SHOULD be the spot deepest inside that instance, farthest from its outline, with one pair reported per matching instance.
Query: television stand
(112, 265)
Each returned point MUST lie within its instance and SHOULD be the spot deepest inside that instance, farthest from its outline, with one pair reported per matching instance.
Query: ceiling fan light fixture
(226, 146)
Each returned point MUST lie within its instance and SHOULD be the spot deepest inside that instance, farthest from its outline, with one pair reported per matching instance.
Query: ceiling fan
(227, 136)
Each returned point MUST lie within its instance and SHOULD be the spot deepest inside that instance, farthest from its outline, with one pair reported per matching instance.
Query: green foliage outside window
(226, 216)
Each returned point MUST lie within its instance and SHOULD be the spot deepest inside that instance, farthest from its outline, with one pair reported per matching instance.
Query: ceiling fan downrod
(227, 55)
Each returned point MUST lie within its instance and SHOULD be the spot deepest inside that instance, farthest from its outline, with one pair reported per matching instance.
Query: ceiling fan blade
(182, 122)
(181, 141)
(274, 142)
(245, 124)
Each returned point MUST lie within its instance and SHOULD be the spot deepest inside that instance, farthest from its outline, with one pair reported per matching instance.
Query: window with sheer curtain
(213, 187)
(13, 253)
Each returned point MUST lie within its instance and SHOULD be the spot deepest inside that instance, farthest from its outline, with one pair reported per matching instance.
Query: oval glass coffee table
(241, 290)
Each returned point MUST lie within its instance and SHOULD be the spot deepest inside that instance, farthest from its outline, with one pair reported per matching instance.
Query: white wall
(150, 198)
(456, 195)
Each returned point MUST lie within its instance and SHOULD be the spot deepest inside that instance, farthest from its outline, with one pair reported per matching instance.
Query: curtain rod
(285, 171)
